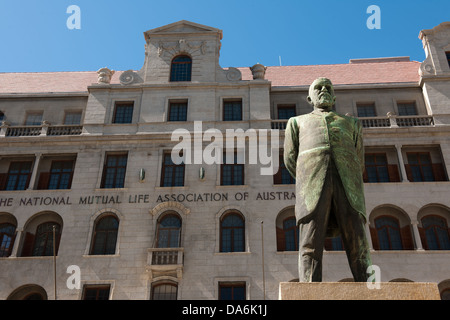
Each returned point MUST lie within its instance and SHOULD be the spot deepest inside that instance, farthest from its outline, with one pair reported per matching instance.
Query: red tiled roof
(352, 73)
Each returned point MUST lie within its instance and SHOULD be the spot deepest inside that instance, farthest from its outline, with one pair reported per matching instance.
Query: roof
(290, 76)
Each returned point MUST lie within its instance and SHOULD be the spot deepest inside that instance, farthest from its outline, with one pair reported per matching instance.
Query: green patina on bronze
(316, 144)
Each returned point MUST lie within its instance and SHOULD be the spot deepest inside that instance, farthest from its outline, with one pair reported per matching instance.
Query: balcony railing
(43, 130)
(165, 261)
(390, 121)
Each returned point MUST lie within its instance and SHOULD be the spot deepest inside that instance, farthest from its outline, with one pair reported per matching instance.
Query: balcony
(43, 130)
(165, 261)
(390, 121)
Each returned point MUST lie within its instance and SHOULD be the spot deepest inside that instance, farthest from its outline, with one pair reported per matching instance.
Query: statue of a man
(324, 152)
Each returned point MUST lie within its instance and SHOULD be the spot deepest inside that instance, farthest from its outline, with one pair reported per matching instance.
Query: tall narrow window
(232, 110)
(286, 111)
(2, 117)
(105, 236)
(43, 241)
(178, 111)
(172, 174)
(290, 231)
(232, 291)
(123, 112)
(232, 173)
(232, 228)
(181, 69)
(169, 230)
(19, 175)
(7, 235)
(447, 54)
(93, 292)
(388, 232)
(114, 171)
(407, 108)
(366, 110)
(164, 291)
(436, 233)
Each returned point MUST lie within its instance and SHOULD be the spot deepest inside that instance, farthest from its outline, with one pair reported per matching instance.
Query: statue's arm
(291, 146)
(359, 145)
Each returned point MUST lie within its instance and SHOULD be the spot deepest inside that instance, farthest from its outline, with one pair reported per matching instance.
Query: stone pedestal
(358, 291)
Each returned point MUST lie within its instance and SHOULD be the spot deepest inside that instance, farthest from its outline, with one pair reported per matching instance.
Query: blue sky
(35, 38)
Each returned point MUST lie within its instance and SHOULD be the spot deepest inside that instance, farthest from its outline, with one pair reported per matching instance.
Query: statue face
(321, 94)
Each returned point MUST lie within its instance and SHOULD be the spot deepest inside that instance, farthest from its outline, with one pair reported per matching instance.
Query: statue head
(321, 94)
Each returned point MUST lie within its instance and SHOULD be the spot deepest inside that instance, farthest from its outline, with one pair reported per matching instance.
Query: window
(283, 176)
(164, 291)
(72, 118)
(2, 117)
(388, 232)
(105, 236)
(290, 233)
(114, 171)
(407, 109)
(366, 110)
(232, 174)
(436, 233)
(419, 166)
(447, 54)
(123, 112)
(232, 110)
(232, 291)
(19, 175)
(7, 236)
(34, 119)
(181, 69)
(286, 111)
(232, 233)
(96, 292)
(172, 174)
(178, 111)
(43, 241)
(59, 177)
(169, 230)
(376, 167)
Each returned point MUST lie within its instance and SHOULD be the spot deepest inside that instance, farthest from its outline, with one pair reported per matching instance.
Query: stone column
(401, 162)
(34, 172)
(16, 243)
(417, 239)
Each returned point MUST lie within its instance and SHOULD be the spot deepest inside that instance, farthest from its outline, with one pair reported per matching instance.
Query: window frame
(97, 288)
(170, 230)
(39, 250)
(280, 107)
(177, 116)
(6, 251)
(233, 285)
(19, 174)
(435, 233)
(234, 166)
(177, 74)
(234, 229)
(398, 229)
(165, 284)
(364, 106)
(127, 117)
(420, 166)
(115, 184)
(404, 105)
(232, 103)
(108, 238)
(172, 169)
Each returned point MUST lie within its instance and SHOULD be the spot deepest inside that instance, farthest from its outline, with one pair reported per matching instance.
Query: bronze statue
(324, 151)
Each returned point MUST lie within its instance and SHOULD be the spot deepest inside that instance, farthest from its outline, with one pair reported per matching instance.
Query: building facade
(94, 206)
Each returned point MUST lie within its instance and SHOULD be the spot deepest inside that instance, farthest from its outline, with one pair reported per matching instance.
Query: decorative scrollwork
(127, 77)
(234, 74)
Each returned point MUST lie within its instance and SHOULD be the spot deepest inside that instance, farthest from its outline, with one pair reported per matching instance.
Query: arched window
(43, 241)
(232, 229)
(164, 291)
(105, 236)
(181, 69)
(436, 233)
(388, 232)
(7, 235)
(169, 230)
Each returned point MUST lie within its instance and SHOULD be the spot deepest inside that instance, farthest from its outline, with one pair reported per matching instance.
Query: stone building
(86, 173)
